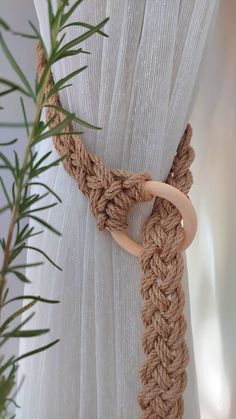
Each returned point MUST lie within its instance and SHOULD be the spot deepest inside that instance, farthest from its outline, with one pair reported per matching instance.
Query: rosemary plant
(19, 199)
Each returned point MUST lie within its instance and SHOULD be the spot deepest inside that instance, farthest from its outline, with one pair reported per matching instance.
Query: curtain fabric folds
(139, 88)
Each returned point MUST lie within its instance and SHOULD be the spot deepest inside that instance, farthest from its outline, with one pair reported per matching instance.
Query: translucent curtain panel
(138, 87)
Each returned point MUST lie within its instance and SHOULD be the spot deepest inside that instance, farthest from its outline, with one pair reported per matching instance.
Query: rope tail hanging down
(111, 194)
(163, 374)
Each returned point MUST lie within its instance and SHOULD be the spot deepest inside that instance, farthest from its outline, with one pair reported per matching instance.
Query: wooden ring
(180, 201)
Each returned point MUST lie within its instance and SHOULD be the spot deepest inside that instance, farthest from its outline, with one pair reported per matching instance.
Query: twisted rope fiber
(111, 194)
(163, 374)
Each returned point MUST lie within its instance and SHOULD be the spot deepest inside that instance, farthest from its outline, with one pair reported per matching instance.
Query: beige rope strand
(163, 374)
(111, 194)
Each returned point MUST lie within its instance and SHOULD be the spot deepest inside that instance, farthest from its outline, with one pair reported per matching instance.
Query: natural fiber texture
(111, 194)
(163, 374)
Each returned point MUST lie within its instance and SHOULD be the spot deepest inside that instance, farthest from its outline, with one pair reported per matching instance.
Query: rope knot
(112, 198)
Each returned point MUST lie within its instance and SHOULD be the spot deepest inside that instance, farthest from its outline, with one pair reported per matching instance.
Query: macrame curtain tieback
(111, 194)
(181, 202)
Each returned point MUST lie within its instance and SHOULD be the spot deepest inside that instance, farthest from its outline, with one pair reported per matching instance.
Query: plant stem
(19, 186)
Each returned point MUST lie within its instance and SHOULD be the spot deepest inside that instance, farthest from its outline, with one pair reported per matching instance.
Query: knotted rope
(111, 194)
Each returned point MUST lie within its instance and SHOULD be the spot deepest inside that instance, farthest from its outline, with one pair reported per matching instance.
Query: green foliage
(21, 203)
(7, 384)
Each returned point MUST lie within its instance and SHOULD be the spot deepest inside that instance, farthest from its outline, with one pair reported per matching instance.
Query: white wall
(212, 257)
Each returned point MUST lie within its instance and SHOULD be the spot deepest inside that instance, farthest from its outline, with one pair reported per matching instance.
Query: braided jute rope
(111, 194)
(163, 374)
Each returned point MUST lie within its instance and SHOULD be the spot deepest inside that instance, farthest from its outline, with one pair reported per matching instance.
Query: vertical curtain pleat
(138, 88)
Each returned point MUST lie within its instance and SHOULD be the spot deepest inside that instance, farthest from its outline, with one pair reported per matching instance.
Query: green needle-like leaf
(3, 209)
(14, 124)
(70, 53)
(84, 36)
(20, 276)
(72, 116)
(15, 252)
(24, 115)
(16, 314)
(16, 67)
(60, 41)
(41, 81)
(22, 234)
(5, 295)
(27, 265)
(5, 192)
(36, 351)
(12, 87)
(15, 404)
(44, 254)
(47, 188)
(8, 164)
(3, 244)
(42, 159)
(51, 21)
(31, 297)
(7, 383)
(24, 35)
(45, 224)
(26, 333)
(60, 10)
(62, 81)
(17, 165)
(84, 25)
(7, 364)
(66, 15)
(6, 92)
(46, 167)
(64, 134)
(4, 24)
(53, 131)
(30, 211)
(64, 87)
(50, 12)
(29, 201)
(18, 327)
(38, 35)
(11, 142)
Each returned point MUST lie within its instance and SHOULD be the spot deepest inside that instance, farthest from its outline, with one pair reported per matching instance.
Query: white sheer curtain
(139, 87)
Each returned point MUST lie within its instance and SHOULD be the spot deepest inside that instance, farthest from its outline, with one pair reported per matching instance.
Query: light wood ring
(180, 201)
